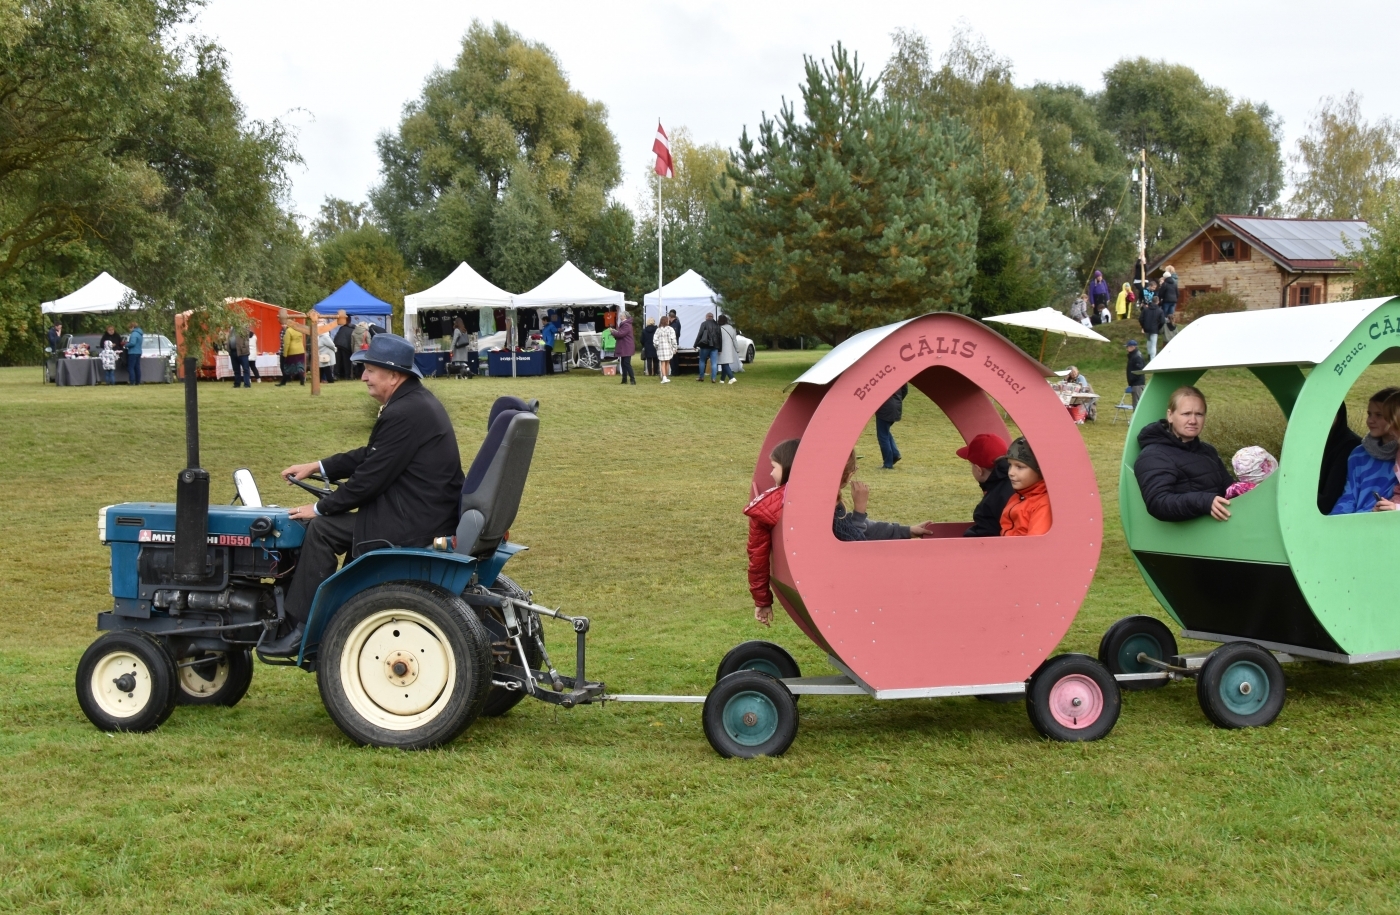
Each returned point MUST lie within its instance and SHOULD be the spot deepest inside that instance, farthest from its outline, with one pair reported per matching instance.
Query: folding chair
(1124, 403)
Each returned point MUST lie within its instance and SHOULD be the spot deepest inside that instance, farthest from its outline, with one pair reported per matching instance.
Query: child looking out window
(1028, 512)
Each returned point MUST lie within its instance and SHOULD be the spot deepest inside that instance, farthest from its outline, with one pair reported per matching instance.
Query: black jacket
(996, 492)
(1167, 290)
(708, 337)
(676, 326)
(344, 339)
(116, 341)
(407, 482)
(1152, 319)
(892, 410)
(1179, 480)
(1135, 366)
(648, 341)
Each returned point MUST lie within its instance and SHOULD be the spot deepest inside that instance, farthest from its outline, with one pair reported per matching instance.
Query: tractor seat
(496, 480)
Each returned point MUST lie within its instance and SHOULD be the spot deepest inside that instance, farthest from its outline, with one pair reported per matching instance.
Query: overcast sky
(339, 73)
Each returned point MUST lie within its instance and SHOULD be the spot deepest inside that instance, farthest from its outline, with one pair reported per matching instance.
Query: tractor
(409, 645)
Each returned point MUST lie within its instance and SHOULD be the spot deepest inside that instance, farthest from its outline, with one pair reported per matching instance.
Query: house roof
(1296, 245)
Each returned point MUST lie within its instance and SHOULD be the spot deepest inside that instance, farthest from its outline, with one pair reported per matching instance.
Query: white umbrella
(1048, 321)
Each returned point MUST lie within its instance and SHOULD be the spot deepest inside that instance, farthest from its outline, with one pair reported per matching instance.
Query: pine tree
(856, 216)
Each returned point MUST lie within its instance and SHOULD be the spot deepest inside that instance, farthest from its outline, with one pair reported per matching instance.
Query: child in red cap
(1028, 512)
(987, 455)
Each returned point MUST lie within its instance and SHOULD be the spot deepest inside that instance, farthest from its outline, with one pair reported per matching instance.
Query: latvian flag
(662, 148)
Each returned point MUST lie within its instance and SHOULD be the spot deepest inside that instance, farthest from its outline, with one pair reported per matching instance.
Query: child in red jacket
(763, 513)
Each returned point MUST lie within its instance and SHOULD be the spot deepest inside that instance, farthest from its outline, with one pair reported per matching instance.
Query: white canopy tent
(463, 288)
(691, 297)
(569, 286)
(102, 295)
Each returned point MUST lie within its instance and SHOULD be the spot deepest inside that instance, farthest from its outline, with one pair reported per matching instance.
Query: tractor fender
(450, 571)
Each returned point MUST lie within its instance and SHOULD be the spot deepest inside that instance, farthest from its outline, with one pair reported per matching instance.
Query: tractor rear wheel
(501, 700)
(404, 665)
(126, 682)
(214, 677)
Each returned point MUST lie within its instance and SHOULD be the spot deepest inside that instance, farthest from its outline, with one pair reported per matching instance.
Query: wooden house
(1267, 262)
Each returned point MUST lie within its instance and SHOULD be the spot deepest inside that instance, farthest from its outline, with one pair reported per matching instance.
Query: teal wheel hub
(750, 718)
(763, 666)
(1244, 688)
(1142, 643)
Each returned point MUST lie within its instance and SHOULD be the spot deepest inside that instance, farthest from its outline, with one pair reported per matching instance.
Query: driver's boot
(288, 644)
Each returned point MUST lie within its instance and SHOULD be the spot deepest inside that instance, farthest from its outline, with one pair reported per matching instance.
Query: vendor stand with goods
(74, 361)
(1072, 388)
(431, 316)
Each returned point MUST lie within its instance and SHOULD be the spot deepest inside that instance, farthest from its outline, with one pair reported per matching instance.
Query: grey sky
(339, 73)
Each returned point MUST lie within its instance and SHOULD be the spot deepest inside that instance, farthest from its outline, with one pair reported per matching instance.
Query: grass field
(633, 519)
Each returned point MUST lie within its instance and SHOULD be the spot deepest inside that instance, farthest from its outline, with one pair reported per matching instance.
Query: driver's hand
(1220, 508)
(302, 513)
(300, 471)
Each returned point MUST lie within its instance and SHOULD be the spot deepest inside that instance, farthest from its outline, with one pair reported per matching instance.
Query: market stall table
(1075, 399)
(80, 371)
(531, 363)
(431, 364)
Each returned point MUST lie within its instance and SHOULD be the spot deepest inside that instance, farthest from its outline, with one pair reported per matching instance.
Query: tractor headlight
(102, 523)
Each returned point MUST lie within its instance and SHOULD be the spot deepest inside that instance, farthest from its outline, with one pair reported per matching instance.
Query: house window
(1193, 291)
(1227, 248)
(1305, 295)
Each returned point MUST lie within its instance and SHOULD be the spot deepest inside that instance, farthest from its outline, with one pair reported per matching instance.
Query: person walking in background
(461, 340)
(649, 364)
(890, 412)
(626, 347)
(1152, 320)
(665, 343)
(728, 349)
(325, 356)
(708, 340)
(675, 326)
(1169, 292)
(238, 355)
(344, 345)
(108, 357)
(1124, 306)
(134, 341)
(293, 356)
(1079, 310)
(1098, 294)
(1135, 366)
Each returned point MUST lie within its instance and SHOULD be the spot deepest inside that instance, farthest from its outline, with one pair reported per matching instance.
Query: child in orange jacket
(1027, 513)
(764, 512)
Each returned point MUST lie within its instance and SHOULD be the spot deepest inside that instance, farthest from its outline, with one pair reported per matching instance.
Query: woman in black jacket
(1182, 477)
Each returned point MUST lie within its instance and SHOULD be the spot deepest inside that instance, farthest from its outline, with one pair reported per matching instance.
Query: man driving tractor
(404, 486)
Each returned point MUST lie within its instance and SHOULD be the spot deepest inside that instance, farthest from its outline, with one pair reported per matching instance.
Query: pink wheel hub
(1076, 701)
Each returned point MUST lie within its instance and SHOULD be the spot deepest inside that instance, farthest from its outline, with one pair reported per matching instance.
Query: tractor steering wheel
(320, 492)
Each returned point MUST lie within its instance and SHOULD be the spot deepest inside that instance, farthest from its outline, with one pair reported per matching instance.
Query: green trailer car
(1279, 580)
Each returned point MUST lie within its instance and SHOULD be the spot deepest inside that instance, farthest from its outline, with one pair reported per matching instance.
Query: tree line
(937, 183)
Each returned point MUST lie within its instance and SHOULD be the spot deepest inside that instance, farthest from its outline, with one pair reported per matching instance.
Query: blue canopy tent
(358, 304)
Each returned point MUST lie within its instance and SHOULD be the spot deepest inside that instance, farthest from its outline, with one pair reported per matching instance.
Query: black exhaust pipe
(191, 494)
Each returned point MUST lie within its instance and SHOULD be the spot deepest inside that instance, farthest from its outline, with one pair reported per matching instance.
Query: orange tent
(262, 320)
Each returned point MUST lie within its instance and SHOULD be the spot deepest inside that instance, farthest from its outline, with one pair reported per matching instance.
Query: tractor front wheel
(404, 665)
(214, 677)
(126, 682)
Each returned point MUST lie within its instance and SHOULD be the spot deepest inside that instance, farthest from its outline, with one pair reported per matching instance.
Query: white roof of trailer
(845, 354)
(1304, 335)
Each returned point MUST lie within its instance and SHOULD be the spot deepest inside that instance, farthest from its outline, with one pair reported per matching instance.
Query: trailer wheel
(216, 677)
(501, 700)
(1072, 698)
(404, 665)
(1126, 639)
(749, 714)
(126, 682)
(765, 657)
(1240, 686)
